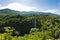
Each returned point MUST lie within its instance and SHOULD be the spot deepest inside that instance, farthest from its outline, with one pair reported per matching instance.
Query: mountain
(9, 11)
(42, 25)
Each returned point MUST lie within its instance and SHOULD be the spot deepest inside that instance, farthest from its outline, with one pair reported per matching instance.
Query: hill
(9, 11)
(29, 25)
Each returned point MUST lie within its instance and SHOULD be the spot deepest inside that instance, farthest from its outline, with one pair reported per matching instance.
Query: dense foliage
(29, 27)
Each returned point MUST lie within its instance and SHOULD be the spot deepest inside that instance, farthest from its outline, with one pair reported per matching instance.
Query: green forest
(43, 26)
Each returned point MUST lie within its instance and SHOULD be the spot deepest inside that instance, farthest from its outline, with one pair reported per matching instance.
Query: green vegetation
(29, 26)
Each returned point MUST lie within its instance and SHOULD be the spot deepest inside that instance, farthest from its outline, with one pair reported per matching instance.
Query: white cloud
(52, 10)
(55, 11)
(19, 7)
(22, 0)
(26, 0)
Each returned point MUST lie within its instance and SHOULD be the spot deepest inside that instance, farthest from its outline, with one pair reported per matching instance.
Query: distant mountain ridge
(9, 11)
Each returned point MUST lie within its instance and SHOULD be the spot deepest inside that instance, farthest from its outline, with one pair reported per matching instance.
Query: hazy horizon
(52, 6)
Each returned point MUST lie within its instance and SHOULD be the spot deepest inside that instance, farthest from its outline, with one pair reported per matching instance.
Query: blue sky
(32, 5)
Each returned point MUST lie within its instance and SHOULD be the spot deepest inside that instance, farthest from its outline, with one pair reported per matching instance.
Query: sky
(52, 6)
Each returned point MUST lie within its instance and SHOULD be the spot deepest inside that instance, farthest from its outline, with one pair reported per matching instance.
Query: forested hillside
(38, 26)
